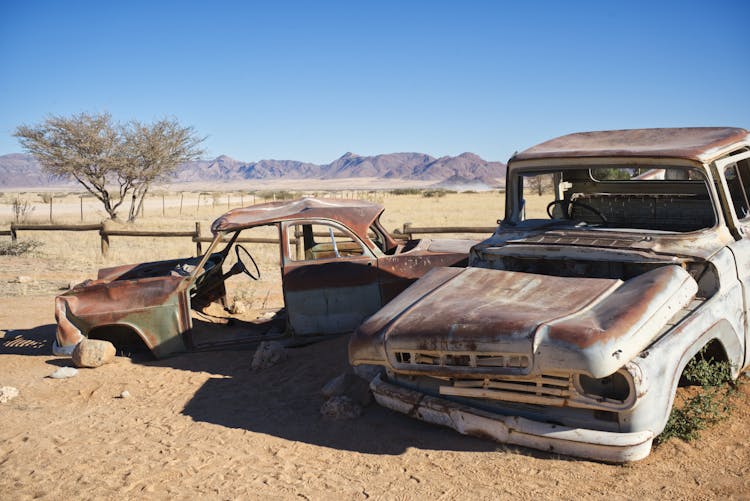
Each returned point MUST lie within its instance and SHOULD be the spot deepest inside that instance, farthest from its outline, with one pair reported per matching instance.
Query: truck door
(734, 173)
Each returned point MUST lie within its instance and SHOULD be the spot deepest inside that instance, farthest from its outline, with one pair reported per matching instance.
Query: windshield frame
(517, 168)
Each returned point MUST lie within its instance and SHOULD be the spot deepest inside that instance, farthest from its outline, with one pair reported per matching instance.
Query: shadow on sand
(34, 341)
(283, 401)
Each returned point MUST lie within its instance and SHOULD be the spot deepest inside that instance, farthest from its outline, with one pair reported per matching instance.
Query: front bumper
(584, 443)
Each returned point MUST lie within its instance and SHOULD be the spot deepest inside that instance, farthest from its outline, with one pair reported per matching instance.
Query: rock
(367, 372)
(23, 279)
(64, 373)
(93, 353)
(341, 407)
(7, 393)
(125, 394)
(349, 385)
(268, 354)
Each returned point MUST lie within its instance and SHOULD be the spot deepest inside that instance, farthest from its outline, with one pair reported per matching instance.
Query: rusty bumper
(583, 443)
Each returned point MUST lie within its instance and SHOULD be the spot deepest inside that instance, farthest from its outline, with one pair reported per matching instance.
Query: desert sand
(204, 425)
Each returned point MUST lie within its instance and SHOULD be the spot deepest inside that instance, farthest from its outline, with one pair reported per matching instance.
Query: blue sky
(312, 80)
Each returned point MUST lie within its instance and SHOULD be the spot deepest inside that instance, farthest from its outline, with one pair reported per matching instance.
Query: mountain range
(22, 170)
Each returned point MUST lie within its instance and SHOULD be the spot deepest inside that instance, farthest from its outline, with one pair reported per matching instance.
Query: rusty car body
(569, 332)
(338, 266)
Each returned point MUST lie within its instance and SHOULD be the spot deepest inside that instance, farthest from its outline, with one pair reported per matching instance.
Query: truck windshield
(674, 199)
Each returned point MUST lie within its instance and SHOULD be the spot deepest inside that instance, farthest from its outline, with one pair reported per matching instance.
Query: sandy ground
(206, 425)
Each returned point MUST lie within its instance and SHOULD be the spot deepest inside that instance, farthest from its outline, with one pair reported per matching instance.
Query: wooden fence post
(81, 207)
(181, 197)
(104, 240)
(13, 233)
(299, 245)
(163, 208)
(407, 231)
(198, 246)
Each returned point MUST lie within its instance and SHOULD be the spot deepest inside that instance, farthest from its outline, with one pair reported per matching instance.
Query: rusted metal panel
(355, 214)
(556, 322)
(399, 271)
(692, 143)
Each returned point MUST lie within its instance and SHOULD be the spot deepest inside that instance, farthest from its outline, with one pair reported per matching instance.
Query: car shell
(326, 293)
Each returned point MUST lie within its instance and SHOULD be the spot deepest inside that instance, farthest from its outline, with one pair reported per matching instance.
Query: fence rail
(406, 233)
(409, 231)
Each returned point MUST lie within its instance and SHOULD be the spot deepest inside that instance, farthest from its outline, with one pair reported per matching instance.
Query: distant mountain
(21, 170)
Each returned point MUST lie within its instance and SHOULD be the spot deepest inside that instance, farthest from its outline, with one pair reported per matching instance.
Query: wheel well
(712, 351)
(125, 338)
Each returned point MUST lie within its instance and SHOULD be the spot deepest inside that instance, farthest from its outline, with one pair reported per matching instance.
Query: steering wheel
(568, 208)
(237, 249)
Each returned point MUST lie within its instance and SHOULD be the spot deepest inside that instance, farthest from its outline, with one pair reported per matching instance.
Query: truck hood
(480, 321)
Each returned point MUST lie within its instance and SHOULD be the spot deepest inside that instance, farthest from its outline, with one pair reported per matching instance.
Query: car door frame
(328, 295)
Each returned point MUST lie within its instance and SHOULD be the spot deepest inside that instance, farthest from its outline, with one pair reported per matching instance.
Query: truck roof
(702, 144)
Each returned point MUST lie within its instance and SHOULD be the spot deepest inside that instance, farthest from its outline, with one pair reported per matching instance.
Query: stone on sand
(349, 385)
(7, 393)
(268, 354)
(93, 353)
(64, 373)
(341, 407)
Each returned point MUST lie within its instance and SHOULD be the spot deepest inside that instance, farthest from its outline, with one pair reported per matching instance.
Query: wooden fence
(406, 233)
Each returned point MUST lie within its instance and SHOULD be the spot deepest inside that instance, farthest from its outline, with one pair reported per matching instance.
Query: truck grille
(455, 359)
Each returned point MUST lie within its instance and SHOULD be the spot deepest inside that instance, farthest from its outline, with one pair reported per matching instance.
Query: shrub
(405, 191)
(433, 193)
(708, 406)
(18, 248)
(21, 210)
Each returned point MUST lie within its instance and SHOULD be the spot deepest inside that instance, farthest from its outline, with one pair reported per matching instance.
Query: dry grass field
(205, 426)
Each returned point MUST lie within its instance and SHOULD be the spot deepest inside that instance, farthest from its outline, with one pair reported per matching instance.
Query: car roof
(702, 144)
(356, 214)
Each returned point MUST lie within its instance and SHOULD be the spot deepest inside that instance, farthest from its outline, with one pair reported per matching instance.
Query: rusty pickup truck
(622, 255)
(338, 266)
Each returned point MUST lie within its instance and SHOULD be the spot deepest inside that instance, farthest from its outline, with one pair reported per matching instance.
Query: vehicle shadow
(285, 401)
(34, 341)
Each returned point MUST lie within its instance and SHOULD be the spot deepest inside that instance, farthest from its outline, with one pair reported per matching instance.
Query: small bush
(433, 193)
(21, 210)
(708, 406)
(405, 191)
(18, 248)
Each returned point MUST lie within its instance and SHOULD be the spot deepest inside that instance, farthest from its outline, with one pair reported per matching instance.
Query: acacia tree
(154, 151)
(110, 160)
(85, 147)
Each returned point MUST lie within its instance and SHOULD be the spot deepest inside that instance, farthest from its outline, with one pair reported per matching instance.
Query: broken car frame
(338, 266)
